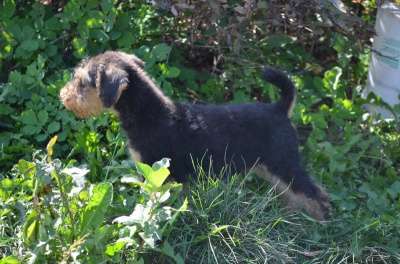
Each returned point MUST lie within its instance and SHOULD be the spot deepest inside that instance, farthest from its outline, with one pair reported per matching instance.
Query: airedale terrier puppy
(236, 134)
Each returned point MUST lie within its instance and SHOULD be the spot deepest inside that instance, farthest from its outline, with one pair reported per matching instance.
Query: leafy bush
(58, 216)
(53, 209)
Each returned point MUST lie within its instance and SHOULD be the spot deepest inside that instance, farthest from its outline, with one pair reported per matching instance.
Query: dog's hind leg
(300, 194)
(309, 195)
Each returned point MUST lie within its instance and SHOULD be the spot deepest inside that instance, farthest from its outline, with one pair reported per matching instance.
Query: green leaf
(5, 109)
(140, 215)
(218, 229)
(168, 250)
(30, 45)
(167, 228)
(144, 169)
(331, 79)
(140, 261)
(167, 88)
(79, 46)
(240, 96)
(161, 52)
(26, 168)
(53, 127)
(30, 130)
(150, 235)
(9, 260)
(126, 40)
(279, 40)
(114, 248)
(394, 190)
(31, 228)
(93, 214)
(7, 9)
(29, 118)
(157, 178)
(41, 137)
(155, 175)
(106, 5)
(42, 117)
(130, 179)
(173, 72)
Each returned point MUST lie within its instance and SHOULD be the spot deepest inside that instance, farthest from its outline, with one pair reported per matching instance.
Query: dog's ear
(136, 60)
(111, 81)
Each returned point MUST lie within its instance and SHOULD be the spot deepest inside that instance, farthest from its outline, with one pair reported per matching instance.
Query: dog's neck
(142, 102)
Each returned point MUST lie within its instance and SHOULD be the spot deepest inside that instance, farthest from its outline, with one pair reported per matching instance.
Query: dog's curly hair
(254, 136)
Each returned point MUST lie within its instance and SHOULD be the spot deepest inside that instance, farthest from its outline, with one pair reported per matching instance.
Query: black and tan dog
(238, 134)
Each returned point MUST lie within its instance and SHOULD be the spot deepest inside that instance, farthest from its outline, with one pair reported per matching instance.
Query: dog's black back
(237, 135)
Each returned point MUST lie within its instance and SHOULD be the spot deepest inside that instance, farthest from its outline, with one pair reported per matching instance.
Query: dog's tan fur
(80, 97)
(294, 201)
(135, 155)
(83, 103)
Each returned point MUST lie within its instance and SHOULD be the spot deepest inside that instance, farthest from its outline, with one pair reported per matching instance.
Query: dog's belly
(210, 154)
(237, 151)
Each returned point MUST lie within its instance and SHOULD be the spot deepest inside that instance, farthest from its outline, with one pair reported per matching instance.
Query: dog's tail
(282, 81)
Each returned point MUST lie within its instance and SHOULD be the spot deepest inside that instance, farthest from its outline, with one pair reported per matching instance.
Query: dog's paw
(319, 207)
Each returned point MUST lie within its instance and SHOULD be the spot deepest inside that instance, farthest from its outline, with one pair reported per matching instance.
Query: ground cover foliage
(68, 192)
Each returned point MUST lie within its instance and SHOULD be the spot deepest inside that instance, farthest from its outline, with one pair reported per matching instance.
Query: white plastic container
(384, 68)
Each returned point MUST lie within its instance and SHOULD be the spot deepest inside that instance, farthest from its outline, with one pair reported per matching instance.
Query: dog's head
(98, 83)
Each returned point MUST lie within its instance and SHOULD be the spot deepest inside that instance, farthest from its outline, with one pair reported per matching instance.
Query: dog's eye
(91, 82)
(81, 87)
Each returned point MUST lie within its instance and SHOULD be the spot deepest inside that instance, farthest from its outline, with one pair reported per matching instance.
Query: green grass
(234, 221)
